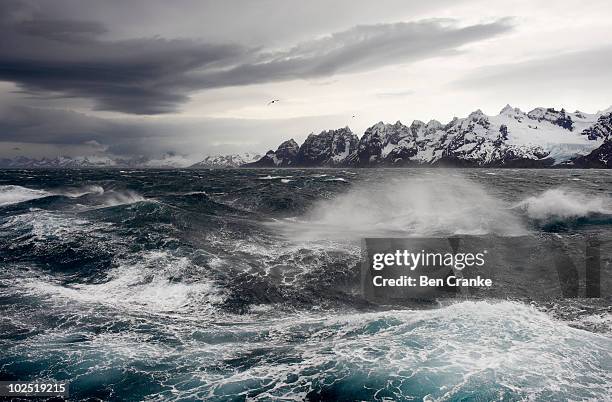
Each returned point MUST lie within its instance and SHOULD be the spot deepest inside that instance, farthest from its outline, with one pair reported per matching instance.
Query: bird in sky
(273, 101)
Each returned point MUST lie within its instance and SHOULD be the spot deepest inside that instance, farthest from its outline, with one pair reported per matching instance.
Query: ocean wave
(11, 194)
(419, 206)
(562, 204)
(257, 270)
(59, 242)
(469, 350)
(268, 177)
(156, 282)
(121, 197)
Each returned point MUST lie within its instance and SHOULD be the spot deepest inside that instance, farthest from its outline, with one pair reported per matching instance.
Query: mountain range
(543, 137)
(227, 161)
(92, 161)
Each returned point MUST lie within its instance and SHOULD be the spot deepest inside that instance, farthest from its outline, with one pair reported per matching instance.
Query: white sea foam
(12, 194)
(268, 177)
(468, 348)
(146, 284)
(15, 194)
(460, 349)
(560, 203)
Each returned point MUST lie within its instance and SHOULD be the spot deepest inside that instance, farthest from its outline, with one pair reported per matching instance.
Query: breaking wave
(75, 192)
(15, 194)
(93, 195)
(437, 205)
(156, 281)
(560, 204)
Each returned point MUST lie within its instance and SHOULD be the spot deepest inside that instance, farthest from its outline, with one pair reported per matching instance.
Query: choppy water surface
(243, 285)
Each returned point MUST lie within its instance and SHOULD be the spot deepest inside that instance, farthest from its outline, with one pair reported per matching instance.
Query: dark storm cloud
(63, 127)
(358, 49)
(32, 127)
(70, 58)
(62, 30)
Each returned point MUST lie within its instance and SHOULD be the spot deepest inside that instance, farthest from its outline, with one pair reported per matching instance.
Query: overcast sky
(193, 77)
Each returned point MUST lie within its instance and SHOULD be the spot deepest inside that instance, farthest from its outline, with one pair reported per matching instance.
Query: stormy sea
(243, 284)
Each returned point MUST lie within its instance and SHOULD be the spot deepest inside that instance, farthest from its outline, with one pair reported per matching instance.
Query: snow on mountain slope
(541, 137)
(327, 148)
(227, 161)
(92, 161)
(545, 127)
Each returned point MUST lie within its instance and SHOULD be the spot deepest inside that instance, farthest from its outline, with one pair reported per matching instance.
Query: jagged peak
(340, 130)
(540, 113)
(289, 143)
(509, 110)
(537, 109)
(435, 123)
(476, 114)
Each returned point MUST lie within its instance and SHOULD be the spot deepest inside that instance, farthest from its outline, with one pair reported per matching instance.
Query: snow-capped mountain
(95, 161)
(512, 138)
(329, 148)
(227, 161)
(284, 156)
(58, 162)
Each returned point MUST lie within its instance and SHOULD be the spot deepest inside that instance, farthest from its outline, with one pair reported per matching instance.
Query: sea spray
(560, 203)
(411, 206)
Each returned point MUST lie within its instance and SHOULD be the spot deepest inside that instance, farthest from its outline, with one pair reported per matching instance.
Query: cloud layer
(74, 58)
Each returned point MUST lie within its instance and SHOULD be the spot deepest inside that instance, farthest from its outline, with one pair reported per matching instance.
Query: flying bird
(273, 101)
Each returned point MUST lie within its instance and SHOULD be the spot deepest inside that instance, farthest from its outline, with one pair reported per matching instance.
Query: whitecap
(561, 203)
(11, 194)
(268, 177)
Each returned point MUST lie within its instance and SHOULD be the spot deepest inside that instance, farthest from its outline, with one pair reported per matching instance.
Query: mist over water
(244, 284)
(437, 205)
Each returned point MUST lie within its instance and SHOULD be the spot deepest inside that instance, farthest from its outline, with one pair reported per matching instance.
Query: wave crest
(561, 204)
(417, 206)
(11, 194)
